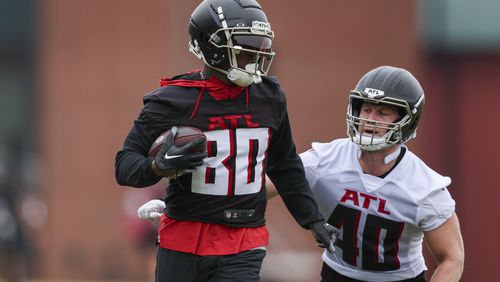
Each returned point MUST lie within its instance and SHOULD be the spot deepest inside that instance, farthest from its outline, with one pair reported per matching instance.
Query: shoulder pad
(171, 93)
(188, 76)
(155, 94)
(424, 180)
(271, 79)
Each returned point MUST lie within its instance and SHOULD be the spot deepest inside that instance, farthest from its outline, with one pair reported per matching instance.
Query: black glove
(180, 159)
(325, 235)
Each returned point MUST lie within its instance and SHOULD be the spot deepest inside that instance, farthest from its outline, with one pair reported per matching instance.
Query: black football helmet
(219, 30)
(392, 86)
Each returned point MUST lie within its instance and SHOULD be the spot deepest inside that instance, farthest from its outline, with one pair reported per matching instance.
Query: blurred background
(72, 77)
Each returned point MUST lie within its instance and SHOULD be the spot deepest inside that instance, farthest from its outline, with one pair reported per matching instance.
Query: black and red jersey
(248, 135)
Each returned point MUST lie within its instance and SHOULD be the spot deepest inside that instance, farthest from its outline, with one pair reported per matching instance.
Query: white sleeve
(310, 161)
(435, 209)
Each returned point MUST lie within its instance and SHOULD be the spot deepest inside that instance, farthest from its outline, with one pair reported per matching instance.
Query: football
(185, 134)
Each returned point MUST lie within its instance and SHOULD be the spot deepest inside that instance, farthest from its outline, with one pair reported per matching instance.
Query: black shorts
(172, 266)
(330, 275)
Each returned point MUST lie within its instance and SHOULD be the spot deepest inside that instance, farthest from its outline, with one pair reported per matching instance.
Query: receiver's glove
(180, 159)
(325, 235)
(152, 210)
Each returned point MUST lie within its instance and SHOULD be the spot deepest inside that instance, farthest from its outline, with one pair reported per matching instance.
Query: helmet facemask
(372, 140)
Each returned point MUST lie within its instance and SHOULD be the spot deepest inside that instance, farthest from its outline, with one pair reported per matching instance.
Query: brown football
(185, 134)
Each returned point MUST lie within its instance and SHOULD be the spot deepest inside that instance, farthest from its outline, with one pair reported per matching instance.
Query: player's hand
(152, 210)
(180, 159)
(325, 235)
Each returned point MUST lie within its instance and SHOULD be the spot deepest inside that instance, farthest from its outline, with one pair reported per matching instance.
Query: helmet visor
(244, 41)
(257, 46)
(253, 42)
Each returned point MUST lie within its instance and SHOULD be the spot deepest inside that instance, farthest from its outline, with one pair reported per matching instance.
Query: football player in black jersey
(213, 226)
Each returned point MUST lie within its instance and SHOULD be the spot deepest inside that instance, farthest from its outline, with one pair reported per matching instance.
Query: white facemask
(242, 78)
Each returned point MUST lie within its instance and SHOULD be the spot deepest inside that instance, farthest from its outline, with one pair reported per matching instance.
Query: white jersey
(381, 219)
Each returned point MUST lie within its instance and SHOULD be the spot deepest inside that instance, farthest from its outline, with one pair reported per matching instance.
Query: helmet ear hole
(204, 40)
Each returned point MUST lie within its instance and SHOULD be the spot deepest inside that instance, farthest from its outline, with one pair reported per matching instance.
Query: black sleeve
(132, 164)
(286, 171)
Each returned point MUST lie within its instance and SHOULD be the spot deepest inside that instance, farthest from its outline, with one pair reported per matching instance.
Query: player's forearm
(132, 169)
(446, 244)
(449, 271)
(271, 191)
(294, 190)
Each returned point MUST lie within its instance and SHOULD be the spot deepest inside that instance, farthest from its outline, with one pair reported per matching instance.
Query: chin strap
(244, 78)
(389, 158)
(392, 156)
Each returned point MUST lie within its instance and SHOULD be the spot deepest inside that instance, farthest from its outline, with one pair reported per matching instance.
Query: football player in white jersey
(381, 196)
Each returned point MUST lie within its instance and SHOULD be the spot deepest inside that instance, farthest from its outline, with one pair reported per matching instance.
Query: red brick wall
(460, 139)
